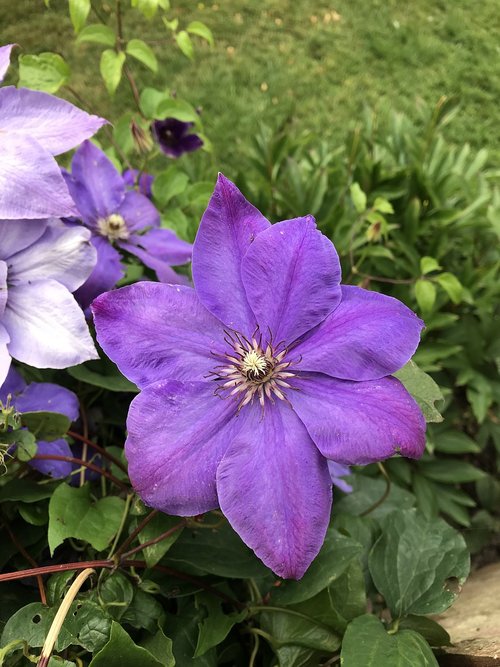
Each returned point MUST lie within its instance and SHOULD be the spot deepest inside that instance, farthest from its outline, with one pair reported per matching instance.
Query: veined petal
(15, 235)
(63, 253)
(163, 270)
(164, 244)
(48, 397)
(138, 212)
(356, 423)
(54, 123)
(94, 183)
(5, 358)
(368, 336)
(154, 331)
(14, 384)
(31, 183)
(46, 326)
(177, 435)
(55, 469)
(5, 59)
(107, 271)
(3, 286)
(275, 489)
(228, 227)
(291, 275)
(337, 473)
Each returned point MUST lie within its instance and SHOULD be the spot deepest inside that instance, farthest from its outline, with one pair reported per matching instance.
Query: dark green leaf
(116, 594)
(450, 471)
(161, 647)
(144, 612)
(287, 628)
(367, 491)
(216, 625)
(431, 631)
(26, 491)
(46, 425)
(110, 378)
(121, 651)
(161, 523)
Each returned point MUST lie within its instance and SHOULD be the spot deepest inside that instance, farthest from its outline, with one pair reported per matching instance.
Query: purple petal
(163, 270)
(31, 183)
(48, 397)
(3, 285)
(14, 384)
(5, 358)
(138, 212)
(356, 423)
(54, 123)
(5, 59)
(164, 244)
(106, 273)
(367, 337)
(274, 487)
(55, 469)
(228, 227)
(177, 435)
(173, 138)
(46, 326)
(154, 332)
(15, 235)
(337, 473)
(291, 275)
(94, 183)
(135, 179)
(63, 253)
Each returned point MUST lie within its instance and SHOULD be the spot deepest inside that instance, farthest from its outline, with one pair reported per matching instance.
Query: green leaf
(46, 425)
(451, 285)
(148, 8)
(335, 556)
(383, 205)
(288, 628)
(111, 66)
(449, 471)
(143, 612)
(116, 594)
(78, 12)
(72, 513)
(413, 560)
(425, 293)
(201, 30)
(26, 491)
(423, 389)
(108, 378)
(171, 25)
(348, 596)
(358, 198)
(428, 264)
(179, 109)
(185, 44)
(431, 631)
(57, 586)
(161, 523)
(143, 53)
(183, 630)
(168, 184)
(216, 625)
(367, 644)
(46, 72)
(161, 647)
(98, 34)
(122, 651)
(25, 443)
(366, 491)
(150, 99)
(455, 442)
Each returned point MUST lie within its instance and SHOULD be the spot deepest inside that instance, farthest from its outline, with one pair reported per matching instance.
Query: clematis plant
(258, 377)
(120, 220)
(35, 126)
(174, 137)
(41, 324)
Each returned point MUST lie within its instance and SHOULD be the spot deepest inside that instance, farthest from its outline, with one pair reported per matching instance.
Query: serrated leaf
(358, 197)
(122, 651)
(98, 34)
(46, 425)
(72, 513)
(111, 66)
(185, 44)
(412, 561)
(139, 50)
(425, 294)
(78, 13)
(201, 30)
(423, 389)
(366, 643)
(45, 71)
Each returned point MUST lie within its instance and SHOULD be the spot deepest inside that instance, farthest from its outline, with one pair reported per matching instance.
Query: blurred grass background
(316, 63)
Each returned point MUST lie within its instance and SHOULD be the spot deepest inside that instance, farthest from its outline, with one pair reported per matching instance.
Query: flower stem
(384, 495)
(105, 454)
(81, 462)
(135, 532)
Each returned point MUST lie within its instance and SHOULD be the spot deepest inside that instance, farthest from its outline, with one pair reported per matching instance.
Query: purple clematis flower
(46, 397)
(256, 378)
(40, 322)
(35, 126)
(119, 219)
(338, 473)
(174, 138)
(134, 179)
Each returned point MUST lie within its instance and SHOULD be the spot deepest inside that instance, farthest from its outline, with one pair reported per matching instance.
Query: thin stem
(128, 501)
(105, 454)
(255, 650)
(51, 569)
(159, 538)
(136, 532)
(30, 560)
(81, 462)
(384, 495)
(85, 448)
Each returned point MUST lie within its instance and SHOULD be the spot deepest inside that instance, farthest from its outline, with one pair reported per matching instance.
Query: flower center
(251, 370)
(113, 227)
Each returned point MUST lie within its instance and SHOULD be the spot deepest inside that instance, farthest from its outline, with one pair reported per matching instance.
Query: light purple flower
(254, 379)
(35, 126)
(338, 473)
(41, 324)
(174, 137)
(119, 219)
(134, 179)
(45, 397)
(5, 59)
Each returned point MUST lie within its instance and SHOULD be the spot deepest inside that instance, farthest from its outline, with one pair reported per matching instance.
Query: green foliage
(46, 72)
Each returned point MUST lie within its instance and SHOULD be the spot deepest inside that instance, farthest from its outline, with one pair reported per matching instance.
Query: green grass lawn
(316, 62)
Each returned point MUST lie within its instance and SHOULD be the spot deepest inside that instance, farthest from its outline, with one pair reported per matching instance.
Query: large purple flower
(41, 324)
(257, 377)
(35, 126)
(174, 137)
(122, 219)
(46, 397)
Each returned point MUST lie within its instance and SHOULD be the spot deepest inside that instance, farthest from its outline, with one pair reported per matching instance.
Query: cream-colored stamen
(113, 227)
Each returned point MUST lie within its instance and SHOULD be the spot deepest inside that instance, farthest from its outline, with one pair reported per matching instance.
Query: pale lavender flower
(35, 126)
(253, 380)
(41, 263)
(338, 474)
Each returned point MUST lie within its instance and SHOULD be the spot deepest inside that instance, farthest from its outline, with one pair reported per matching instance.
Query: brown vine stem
(98, 448)
(81, 462)
(159, 538)
(135, 532)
